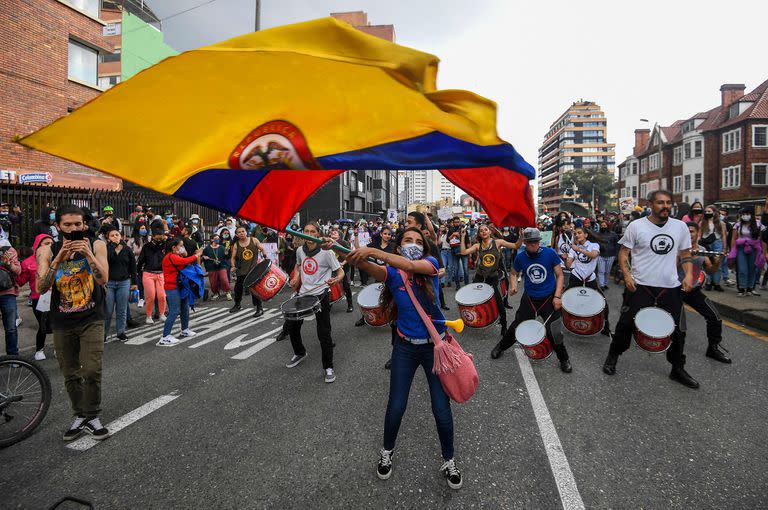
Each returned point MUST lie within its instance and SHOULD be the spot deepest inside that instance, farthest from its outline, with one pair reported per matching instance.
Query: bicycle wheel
(25, 394)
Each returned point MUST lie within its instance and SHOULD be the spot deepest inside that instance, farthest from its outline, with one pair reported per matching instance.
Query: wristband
(556, 297)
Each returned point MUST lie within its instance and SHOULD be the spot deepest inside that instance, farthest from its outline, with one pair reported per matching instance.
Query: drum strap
(536, 310)
(656, 296)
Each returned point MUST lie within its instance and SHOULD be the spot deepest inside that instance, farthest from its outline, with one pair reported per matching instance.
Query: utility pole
(258, 16)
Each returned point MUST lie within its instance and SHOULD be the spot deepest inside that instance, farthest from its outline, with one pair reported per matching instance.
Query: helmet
(108, 208)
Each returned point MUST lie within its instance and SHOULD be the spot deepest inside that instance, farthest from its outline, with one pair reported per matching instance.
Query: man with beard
(655, 242)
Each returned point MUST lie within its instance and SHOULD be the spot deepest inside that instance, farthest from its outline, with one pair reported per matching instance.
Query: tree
(584, 178)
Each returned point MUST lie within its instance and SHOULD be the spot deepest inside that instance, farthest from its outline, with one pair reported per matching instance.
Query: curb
(745, 317)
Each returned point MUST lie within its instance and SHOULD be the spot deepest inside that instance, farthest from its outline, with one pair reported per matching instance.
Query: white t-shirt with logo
(583, 266)
(655, 250)
(315, 270)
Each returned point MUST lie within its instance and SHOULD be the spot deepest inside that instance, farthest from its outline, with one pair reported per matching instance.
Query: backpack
(6, 281)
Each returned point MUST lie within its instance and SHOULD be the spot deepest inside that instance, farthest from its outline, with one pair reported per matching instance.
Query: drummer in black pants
(542, 297)
(317, 270)
(489, 264)
(582, 261)
(655, 243)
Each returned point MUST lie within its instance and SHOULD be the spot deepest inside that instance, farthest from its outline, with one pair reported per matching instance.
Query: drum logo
(370, 317)
(581, 325)
(469, 316)
(582, 292)
(536, 273)
(309, 266)
(275, 145)
(271, 282)
(661, 244)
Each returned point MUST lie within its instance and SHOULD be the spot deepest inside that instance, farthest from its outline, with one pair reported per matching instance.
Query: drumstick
(335, 246)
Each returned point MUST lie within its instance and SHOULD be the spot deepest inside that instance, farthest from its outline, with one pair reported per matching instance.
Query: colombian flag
(254, 125)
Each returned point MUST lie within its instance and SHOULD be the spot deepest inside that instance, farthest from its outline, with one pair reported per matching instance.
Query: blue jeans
(9, 312)
(714, 278)
(117, 302)
(406, 358)
(746, 273)
(176, 307)
(447, 264)
(460, 265)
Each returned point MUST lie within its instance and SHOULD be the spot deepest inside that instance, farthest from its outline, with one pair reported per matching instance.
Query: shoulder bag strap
(427, 321)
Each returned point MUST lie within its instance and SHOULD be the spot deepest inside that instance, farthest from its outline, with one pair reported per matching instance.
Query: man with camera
(76, 270)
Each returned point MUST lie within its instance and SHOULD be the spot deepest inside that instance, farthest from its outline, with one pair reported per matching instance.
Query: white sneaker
(188, 333)
(39, 355)
(140, 304)
(214, 297)
(229, 296)
(149, 320)
(162, 318)
(168, 341)
(329, 375)
(18, 321)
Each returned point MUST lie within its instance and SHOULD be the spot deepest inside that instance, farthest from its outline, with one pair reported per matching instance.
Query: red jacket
(172, 263)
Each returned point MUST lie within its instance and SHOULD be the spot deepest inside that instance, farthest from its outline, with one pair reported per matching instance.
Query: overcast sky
(658, 60)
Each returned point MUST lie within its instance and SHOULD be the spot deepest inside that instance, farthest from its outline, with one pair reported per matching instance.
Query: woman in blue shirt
(413, 348)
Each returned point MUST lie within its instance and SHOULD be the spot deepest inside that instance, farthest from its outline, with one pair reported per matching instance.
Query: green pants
(79, 351)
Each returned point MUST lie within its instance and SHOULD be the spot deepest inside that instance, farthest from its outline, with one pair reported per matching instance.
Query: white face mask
(412, 251)
(746, 217)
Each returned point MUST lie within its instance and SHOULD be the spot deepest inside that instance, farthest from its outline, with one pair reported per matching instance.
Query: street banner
(391, 215)
(364, 238)
(444, 213)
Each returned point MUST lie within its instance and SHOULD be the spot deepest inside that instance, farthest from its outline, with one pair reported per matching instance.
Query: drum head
(530, 332)
(583, 302)
(655, 322)
(299, 304)
(474, 294)
(369, 296)
(257, 273)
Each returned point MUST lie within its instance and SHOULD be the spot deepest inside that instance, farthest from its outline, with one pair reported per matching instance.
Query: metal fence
(33, 198)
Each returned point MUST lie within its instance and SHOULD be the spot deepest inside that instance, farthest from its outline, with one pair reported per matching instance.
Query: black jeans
(347, 288)
(323, 318)
(644, 296)
(697, 300)
(43, 325)
(239, 294)
(493, 281)
(575, 281)
(528, 310)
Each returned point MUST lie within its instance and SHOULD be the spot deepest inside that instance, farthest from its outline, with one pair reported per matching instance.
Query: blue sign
(44, 177)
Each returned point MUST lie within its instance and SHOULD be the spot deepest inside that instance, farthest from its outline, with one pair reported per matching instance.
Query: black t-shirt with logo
(76, 298)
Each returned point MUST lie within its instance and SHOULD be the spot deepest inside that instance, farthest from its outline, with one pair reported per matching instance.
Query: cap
(194, 217)
(108, 208)
(531, 234)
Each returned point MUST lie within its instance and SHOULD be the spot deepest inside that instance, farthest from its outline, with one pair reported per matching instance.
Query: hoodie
(45, 226)
(29, 268)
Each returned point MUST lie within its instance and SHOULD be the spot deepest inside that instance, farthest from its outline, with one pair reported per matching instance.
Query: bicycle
(25, 395)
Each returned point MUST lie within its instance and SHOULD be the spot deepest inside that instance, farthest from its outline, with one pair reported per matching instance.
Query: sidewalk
(751, 311)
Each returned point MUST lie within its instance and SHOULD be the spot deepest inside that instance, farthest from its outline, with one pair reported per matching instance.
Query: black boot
(360, 322)
(609, 366)
(714, 351)
(259, 312)
(349, 308)
(497, 351)
(679, 374)
(565, 366)
(235, 308)
(606, 330)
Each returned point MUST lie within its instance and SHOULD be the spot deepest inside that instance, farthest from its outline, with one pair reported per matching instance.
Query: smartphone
(77, 235)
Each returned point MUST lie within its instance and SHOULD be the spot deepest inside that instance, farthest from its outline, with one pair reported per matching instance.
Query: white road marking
(268, 314)
(119, 424)
(201, 313)
(220, 320)
(259, 346)
(149, 333)
(566, 484)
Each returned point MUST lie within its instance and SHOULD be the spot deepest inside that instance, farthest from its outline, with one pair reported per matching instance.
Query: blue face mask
(52, 216)
(412, 251)
(143, 231)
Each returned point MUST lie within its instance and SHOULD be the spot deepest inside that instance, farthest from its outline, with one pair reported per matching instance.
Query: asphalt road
(233, 428)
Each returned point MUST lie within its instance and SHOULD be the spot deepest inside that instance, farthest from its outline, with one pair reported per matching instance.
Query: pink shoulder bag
(453, 365)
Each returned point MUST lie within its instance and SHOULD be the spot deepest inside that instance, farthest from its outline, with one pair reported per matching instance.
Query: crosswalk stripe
(268, 314)
(195, 320)
(259, 346)
(147, 327)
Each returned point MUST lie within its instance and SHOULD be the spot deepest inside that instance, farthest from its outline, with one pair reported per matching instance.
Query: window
(760, 174)
(687, 180)
(655, 161)
(732, 141)
(733, 110)
(697, 181)
(634, 191)
(83, 63)
(732, 177)
(697, 148)
(90, 7)
(643, 166)
(106, 82)
(678, 182)
(643, 190)
(688, 126)
(634, 168)
(111, 57)
(687, 151)
(759, 136)
(677, 156)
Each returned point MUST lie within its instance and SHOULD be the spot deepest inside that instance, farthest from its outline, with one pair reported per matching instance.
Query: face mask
(214, 241)
(195, 221)
(708, 215)
(412, 251)
(3, 213)
(182, 252)
(746, 217)
(143, 231)
(697, 211)
(52, 216)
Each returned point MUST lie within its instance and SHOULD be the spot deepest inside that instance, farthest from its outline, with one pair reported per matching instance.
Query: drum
(265, 280)
(532, 335)
(583, 311)
(337, 292)
(300, 308)
(477, 306)
(653, 329)
(368, 299)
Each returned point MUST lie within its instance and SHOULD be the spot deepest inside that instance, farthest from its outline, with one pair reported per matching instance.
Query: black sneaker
(565, 366)
(259, 313)
(452, 474)
(718, 288)
(384, 469)
(360, 322)
(75, 430)
(96, 429)
(295, 360)
(122, 337)
(235, 308)
(350, 309)
(609, 367)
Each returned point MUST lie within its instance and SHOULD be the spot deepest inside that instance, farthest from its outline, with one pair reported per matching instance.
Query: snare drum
(653, 329)
(368, 299)
(337, 292)
(532, 335)
(477, 306)
(583, 311)
(265, 280)
(300, 308)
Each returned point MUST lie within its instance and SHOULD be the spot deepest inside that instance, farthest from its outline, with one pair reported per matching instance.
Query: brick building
(716, 156)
